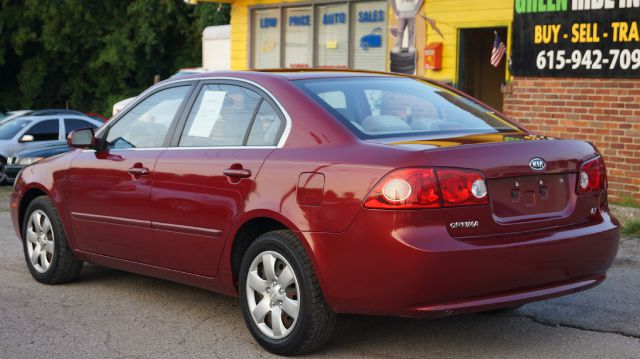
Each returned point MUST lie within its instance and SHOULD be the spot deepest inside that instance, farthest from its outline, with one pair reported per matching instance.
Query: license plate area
(525, 196)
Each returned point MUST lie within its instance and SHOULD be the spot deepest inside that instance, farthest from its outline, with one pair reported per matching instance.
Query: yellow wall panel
(453, 15)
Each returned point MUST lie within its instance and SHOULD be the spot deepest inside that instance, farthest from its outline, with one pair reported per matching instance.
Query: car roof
(55, 117)
(53, 111)
(289, 74)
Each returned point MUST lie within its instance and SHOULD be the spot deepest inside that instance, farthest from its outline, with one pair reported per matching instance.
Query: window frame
(102, 134)
(174, 142)
(352, 44)
(25, 131)
(64, 119)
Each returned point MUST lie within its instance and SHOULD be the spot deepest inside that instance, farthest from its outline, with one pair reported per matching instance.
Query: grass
(631, 228)
(627, 202)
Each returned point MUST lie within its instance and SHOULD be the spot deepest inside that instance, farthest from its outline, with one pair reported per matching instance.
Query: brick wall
(603, 111)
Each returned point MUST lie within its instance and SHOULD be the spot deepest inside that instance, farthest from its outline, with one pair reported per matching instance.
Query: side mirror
(82, 138)
(26, 138)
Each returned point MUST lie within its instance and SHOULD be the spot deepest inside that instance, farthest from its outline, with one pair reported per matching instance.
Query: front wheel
(280, 297)
(48, 255)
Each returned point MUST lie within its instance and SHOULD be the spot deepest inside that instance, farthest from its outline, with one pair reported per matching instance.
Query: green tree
(94, 53)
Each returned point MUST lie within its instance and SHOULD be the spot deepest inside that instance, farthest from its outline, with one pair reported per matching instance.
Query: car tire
(3, 173)
(264, 294)
(47, 253)
(506, 310)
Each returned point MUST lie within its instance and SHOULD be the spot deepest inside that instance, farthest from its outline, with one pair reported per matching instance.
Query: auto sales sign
(576, 38)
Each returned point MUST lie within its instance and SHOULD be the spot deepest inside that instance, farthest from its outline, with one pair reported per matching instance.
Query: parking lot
(113, 314)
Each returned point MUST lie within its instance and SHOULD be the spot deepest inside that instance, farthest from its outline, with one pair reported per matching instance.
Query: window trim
(37, 122)
(264, 96)
(103, 133)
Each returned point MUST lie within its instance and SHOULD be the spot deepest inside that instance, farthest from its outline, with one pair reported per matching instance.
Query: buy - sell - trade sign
(576, 38)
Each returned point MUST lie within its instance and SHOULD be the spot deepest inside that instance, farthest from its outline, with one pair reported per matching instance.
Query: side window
(45, 131)
(220, 116)
(147, 124)
(266, 127)
(72, 124)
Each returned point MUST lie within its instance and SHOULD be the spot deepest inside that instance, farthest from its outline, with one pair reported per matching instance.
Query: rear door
(108, 189)
(203, 181)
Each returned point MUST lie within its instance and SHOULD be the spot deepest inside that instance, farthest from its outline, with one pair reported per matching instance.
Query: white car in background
(121, 105)
(8, 116)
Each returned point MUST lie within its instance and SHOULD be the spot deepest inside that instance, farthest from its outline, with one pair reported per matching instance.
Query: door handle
(237, 173)
(138, 171)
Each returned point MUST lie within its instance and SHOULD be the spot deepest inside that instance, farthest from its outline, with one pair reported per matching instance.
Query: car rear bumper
(381, 267)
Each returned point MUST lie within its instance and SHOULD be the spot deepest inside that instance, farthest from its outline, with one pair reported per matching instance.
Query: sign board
(576, 38)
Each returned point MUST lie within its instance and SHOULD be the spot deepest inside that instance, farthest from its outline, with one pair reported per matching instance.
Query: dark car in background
(30, 156)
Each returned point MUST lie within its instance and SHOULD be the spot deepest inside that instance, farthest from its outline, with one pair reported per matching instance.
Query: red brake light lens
(406, 188)
(416, 188)
(592, 176)
(462, 187)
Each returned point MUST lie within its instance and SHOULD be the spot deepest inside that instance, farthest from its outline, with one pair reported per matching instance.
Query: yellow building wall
(453, 15)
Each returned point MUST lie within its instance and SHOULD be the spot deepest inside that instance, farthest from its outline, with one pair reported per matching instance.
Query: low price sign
(576, 38)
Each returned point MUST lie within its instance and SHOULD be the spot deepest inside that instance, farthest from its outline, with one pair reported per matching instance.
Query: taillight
(416, 188)
(592, 176)
(462, 187)
(406, 188)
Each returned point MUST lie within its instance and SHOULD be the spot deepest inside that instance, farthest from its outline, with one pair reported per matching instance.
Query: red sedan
(313, 193)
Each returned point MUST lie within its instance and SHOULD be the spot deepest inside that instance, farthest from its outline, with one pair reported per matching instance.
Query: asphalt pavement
(113, 314)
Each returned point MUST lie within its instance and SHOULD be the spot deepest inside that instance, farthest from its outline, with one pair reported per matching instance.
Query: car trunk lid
(531, 180)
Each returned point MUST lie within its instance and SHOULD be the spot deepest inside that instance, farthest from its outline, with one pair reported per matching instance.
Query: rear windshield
(11, 128)
(393, 107)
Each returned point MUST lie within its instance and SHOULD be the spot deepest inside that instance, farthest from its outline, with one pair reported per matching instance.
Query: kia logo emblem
(537, 164)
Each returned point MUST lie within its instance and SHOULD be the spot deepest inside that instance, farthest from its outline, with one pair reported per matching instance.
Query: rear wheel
(48, 255)
(281, 300)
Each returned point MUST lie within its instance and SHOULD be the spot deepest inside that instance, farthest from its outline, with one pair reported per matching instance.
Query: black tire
(506, 310)
(410, 69)
(315, 322)
(407, 60)
(3, 173)
(403, 58)
(64, 267)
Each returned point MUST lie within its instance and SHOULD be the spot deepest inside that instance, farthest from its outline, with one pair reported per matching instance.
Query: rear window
(393, 107)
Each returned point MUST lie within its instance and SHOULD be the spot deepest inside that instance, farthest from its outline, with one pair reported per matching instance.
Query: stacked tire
(403, 62)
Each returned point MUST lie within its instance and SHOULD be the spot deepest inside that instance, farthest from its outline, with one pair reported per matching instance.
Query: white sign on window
(208, 113)
(266, 43)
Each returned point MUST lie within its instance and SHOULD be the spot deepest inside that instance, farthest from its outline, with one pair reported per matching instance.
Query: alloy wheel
(40, 241)
(273, 295)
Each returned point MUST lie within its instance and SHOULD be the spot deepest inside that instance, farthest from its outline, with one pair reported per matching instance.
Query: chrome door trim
(283, 137)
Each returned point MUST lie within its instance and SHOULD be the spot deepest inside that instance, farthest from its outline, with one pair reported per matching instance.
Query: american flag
(498, 51)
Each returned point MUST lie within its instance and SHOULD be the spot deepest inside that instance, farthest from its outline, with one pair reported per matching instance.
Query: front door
(477, 77)
(204, 180)
(109, 189)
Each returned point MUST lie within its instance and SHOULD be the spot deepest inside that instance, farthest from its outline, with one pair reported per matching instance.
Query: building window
(266, 35)
(369, 38)
(332, 50)
(298, 36)
(339, 35)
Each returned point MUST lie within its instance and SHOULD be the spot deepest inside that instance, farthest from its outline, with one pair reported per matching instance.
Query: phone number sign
(576, 38)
